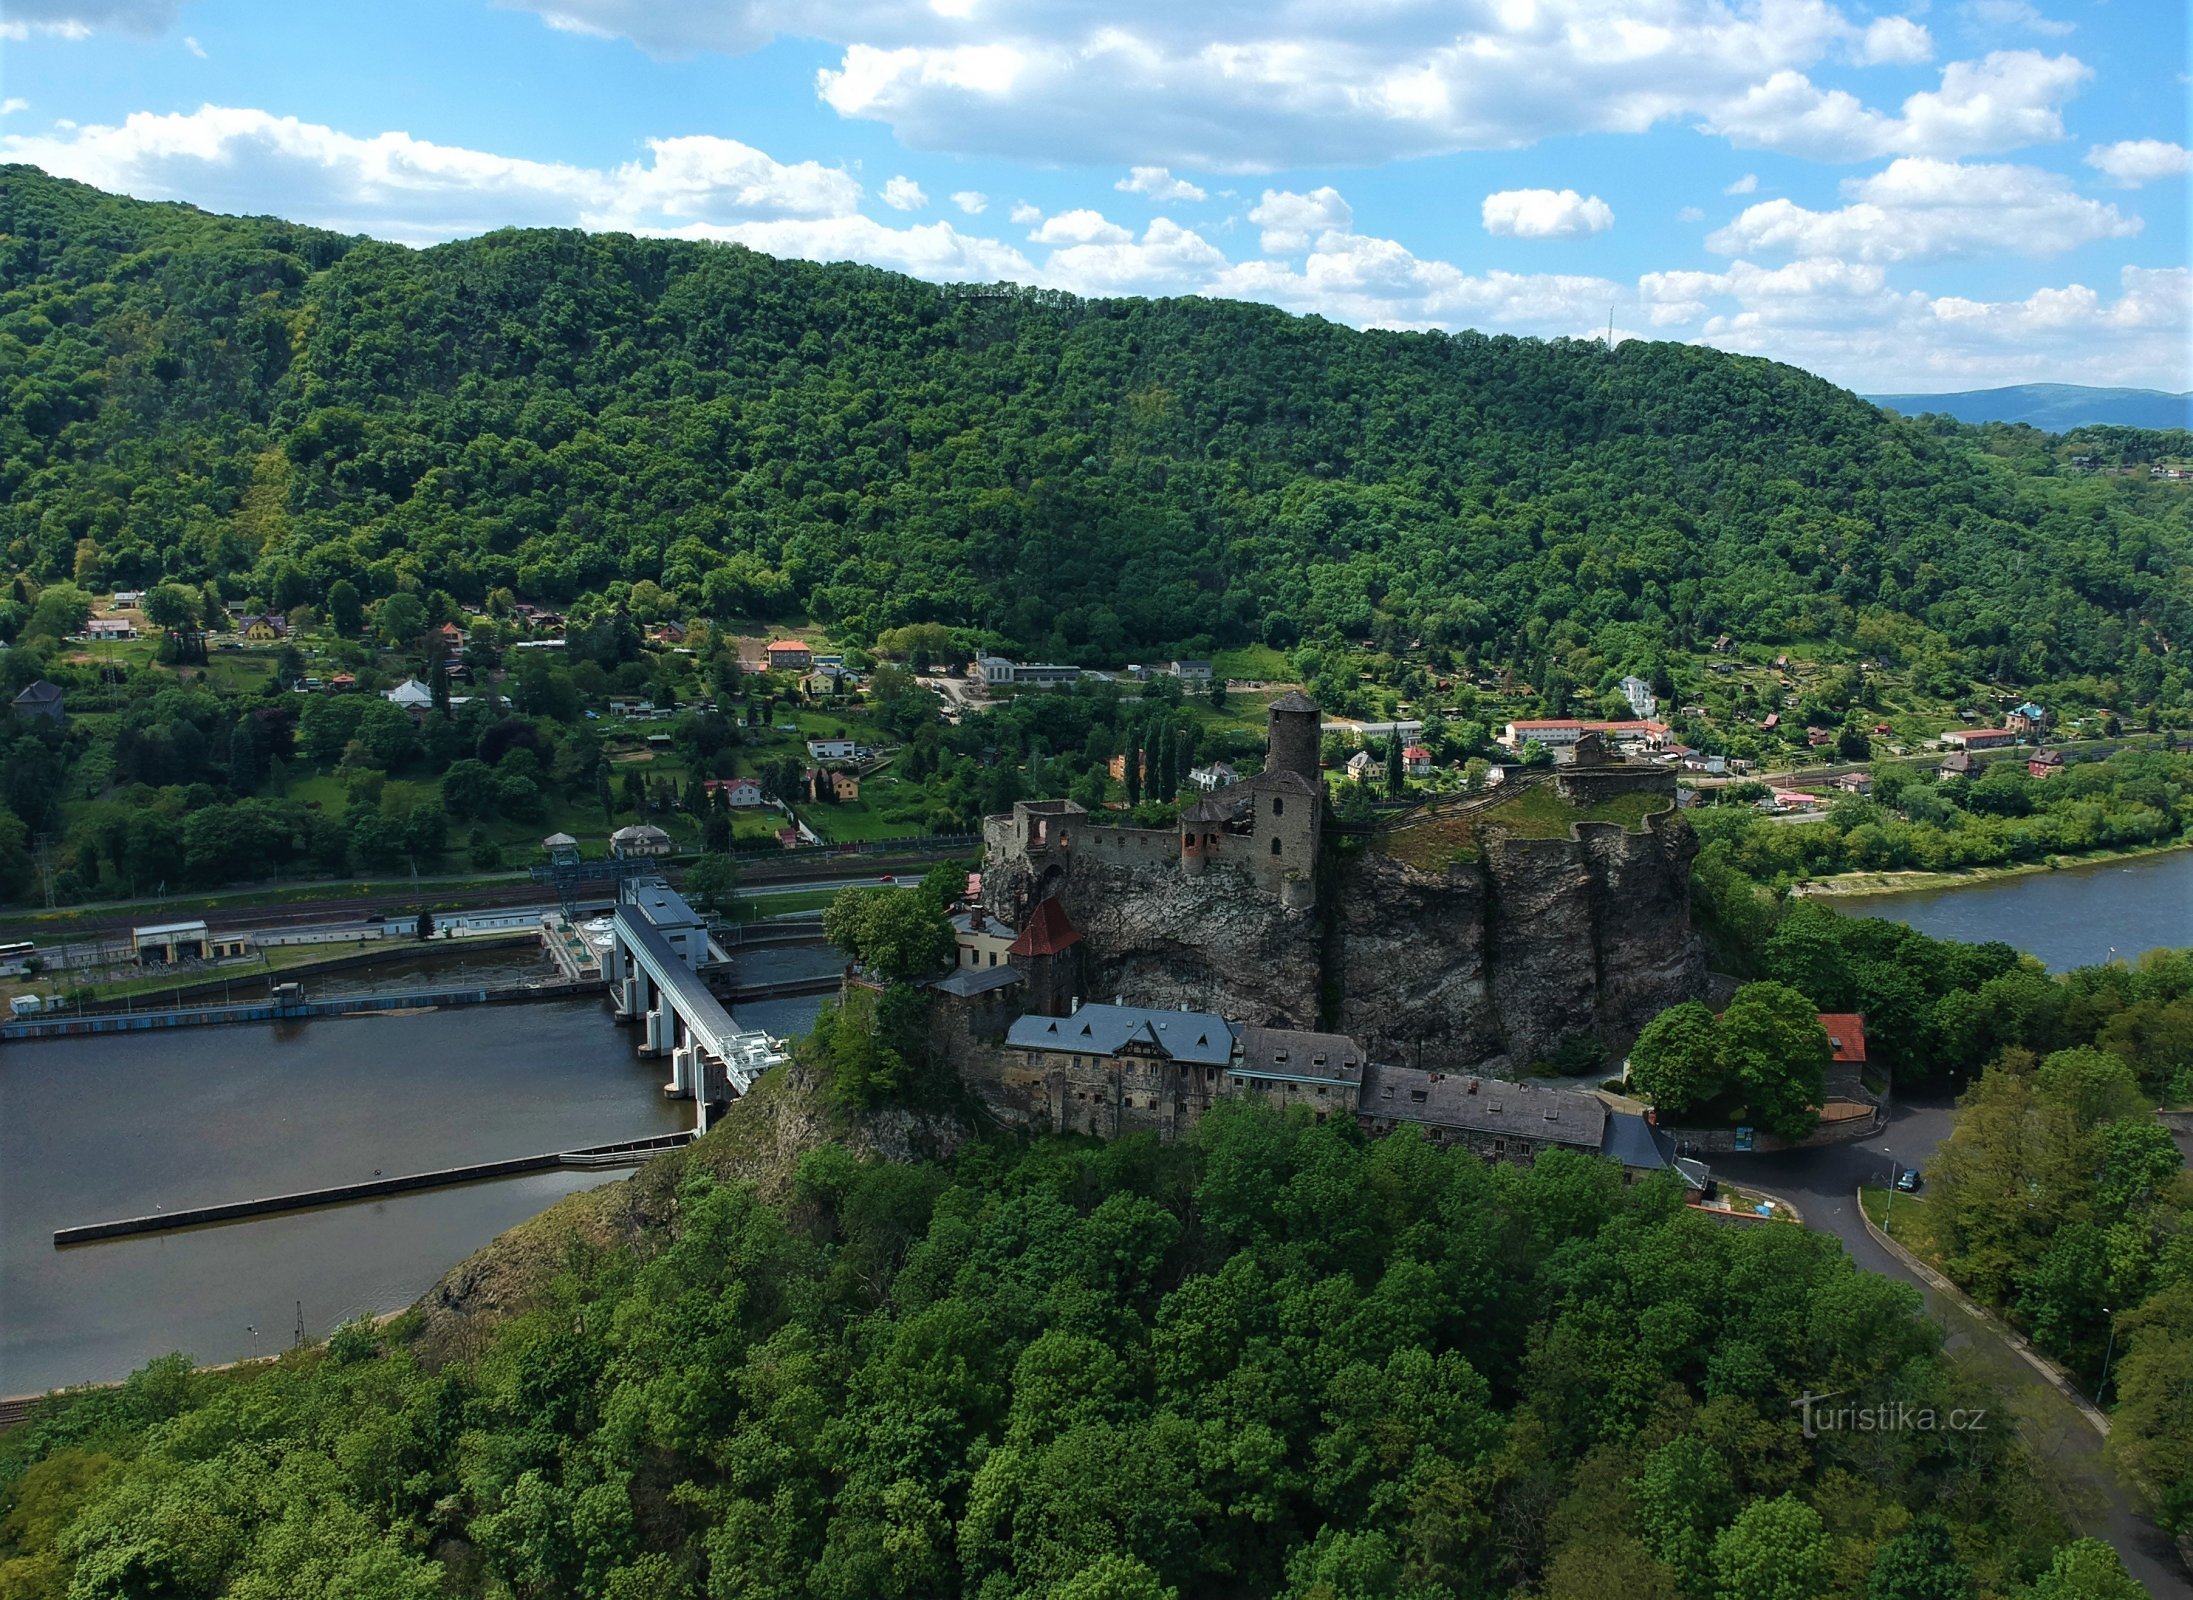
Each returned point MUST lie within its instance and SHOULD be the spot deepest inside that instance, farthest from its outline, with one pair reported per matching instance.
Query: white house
(1640, 696)
(411, 694)
(1361, 767)
(1417, 760)
(1218, 775)
(739, 793)
(831, 749)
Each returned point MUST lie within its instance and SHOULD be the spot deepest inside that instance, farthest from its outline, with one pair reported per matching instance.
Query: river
(113, 1126)
(2073, 917)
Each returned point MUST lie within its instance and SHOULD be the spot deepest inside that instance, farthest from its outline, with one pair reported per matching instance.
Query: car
(1908, 1181)
(887, 878)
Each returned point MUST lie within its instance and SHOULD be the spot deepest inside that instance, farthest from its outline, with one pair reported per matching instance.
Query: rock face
(1533, 942)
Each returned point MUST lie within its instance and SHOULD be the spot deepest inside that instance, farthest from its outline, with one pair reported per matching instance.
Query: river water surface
(2074, 917)
(113, 1126)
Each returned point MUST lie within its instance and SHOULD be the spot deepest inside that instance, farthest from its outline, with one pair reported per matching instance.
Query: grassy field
(1906, 1218)
(1259, 663)
(1536, 813)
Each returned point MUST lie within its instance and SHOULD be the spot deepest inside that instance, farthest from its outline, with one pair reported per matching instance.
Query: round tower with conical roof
(1291, 741)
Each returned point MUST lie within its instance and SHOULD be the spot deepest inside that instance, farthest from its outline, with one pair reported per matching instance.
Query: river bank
(1914, 882)
(2114, 908)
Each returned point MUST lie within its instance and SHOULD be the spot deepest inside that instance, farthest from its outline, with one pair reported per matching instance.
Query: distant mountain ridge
(2053, 407)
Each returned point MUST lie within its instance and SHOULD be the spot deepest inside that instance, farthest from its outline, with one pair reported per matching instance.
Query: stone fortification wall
(1129, 847)
(1587, 786)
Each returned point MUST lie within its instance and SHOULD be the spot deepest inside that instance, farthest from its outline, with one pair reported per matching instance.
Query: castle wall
(1586, 786)
(1129, 847)
(1065, 1093)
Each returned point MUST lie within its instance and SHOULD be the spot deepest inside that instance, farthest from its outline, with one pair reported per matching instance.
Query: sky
(1932, 195)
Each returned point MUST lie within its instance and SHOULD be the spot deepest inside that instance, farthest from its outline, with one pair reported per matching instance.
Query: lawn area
(1538, 812)
(1257, 662)
(1906, 1218)
(888, 808)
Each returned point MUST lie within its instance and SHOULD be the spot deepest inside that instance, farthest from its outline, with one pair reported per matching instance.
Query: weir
(657, 946)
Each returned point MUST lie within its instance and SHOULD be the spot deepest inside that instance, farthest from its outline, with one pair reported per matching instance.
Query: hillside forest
(371, 445)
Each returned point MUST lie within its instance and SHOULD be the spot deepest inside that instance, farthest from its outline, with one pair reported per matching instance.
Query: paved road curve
(1823, 1182)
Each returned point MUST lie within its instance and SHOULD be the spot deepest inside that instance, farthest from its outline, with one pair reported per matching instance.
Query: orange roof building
(1846, 1031)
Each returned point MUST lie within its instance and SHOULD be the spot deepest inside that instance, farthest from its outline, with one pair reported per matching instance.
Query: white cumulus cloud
(412, 190)
(1544, 214)
(1023, 214)
(1235, 86)
(1916, 208)
(1895, 41)
(2131, 162)
(1999, 14)
(1290, 221)
(1159, 185)
(904, 194)
(1747, 184)
(972, 201)
(2007, 99)
(1081, 226)
(12, 104)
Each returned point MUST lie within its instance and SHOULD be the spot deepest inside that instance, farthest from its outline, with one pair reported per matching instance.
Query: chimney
(1076, 1007)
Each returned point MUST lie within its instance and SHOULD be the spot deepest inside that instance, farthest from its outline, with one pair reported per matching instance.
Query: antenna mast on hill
(1610, 330)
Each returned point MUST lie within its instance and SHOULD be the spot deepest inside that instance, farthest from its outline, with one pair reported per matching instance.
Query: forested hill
(2052, 407)
(556, 413)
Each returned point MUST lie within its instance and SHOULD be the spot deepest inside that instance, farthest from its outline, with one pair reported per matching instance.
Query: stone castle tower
(1292, 734)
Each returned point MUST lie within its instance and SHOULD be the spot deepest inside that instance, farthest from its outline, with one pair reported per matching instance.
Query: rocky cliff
(1505, 953)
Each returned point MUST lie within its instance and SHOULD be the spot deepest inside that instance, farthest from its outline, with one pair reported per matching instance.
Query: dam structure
(657, 949)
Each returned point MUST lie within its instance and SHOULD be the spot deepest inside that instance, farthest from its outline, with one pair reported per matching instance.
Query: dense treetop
(1276, 1360)
(276, 408)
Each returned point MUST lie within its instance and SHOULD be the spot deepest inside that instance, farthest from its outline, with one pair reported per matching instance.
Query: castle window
(1187, 841)
(1279, 806)
(1275, 847)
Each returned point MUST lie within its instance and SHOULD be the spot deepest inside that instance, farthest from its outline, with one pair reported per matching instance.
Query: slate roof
(1636, 1143)
(38, 696)
(1298, 1053)
(1293, 700)
(1211, 808)
(1048, 932)
(1196, 1038)
(1484, 1105)
(994, 927)
(1280, 782)
(966, 981)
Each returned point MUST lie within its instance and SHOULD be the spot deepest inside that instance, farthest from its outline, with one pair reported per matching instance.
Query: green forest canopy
(276, 408)
(1276, 1360)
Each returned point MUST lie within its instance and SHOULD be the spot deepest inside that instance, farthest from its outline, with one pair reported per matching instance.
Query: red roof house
(1048, 932)
(1846, 1031)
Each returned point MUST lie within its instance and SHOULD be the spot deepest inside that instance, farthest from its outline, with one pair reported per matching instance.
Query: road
(1823, 1183)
